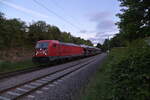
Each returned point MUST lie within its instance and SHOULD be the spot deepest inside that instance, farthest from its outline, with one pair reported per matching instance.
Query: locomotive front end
(41, 52)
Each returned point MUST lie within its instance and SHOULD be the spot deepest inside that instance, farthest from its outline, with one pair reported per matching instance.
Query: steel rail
(3, 91)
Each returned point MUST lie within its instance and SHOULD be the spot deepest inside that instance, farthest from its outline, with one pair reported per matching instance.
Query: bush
(130, 72)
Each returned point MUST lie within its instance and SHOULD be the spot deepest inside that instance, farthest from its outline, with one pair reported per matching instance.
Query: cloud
(83, 31)
(37, 14)
(101, 36)
(105, 25)
(97, 40)
(104, 29)
(103, 21)
(105, 34)
(98, 16)
(87, 31)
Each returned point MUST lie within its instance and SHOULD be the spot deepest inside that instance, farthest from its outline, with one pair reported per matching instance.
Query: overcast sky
(89, 19)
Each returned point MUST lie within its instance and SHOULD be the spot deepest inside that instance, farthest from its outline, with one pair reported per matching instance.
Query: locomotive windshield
(42, 45)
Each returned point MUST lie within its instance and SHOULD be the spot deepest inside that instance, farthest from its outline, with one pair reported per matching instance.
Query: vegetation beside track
(6, 66)
(18, 38)
(124, 75)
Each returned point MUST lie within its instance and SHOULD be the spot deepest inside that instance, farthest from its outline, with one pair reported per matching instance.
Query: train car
(51, 50)
(90, 50)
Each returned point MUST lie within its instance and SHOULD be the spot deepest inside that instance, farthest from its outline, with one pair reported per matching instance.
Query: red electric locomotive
(51, 50)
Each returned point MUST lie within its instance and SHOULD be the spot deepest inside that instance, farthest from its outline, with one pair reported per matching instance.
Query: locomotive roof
(63, 43)
(69, 44)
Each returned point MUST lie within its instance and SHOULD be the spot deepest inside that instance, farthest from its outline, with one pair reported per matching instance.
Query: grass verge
(6, 66)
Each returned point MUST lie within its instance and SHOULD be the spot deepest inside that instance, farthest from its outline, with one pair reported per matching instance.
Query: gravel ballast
(16, 80)
(69, 87)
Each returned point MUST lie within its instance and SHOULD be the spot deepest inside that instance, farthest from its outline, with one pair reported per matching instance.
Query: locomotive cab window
(42, 45)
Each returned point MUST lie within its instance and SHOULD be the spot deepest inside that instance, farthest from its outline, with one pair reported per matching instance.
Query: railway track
(27, 70)
(26, 88)
(18, 72)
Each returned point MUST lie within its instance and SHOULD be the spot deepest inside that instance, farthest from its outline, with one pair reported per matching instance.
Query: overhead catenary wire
(60, 7)
(54, 13)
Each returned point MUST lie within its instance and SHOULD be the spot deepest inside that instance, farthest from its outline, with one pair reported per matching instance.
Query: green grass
(6, 66)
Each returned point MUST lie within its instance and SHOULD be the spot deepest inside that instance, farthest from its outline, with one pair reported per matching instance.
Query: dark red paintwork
(51, 50)
(56, 48)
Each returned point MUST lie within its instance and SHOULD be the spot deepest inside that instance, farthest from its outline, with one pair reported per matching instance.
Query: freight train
(54, 50)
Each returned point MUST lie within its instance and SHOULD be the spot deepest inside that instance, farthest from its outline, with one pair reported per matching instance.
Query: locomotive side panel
(51, 50)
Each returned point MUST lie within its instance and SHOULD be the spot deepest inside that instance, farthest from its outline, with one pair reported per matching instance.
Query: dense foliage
(16, 33)
(134, 19)
(134, 23)
(125, 75)
(130, 72)
(129, 62)
(130, 69)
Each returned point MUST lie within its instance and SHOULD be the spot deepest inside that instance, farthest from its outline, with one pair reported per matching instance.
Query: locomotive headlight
(45, 52)
(36, 53)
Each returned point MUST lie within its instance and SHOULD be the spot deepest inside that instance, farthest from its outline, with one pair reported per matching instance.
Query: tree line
(129, 66)
(16, 33)
(134, 23)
